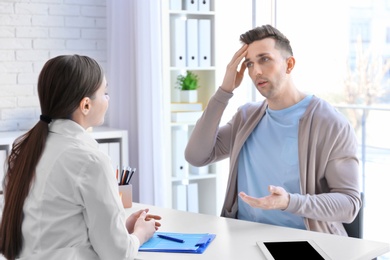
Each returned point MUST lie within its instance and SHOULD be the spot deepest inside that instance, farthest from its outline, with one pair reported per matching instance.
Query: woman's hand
(142, 225)
(132, 219)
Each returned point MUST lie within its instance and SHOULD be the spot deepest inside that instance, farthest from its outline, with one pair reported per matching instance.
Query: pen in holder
(125, 188)
(126, 194)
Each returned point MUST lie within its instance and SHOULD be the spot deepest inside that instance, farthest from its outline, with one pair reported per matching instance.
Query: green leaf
(188, 82)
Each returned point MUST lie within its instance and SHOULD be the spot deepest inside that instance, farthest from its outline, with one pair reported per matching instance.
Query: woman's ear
(85, 105)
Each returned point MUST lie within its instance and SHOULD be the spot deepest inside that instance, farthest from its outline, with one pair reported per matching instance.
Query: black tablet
(297, 249)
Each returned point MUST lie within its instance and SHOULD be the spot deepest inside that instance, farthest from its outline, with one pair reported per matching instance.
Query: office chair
(355, 228)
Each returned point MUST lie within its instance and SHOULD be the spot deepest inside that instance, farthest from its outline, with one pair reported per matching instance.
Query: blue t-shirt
(270, 157)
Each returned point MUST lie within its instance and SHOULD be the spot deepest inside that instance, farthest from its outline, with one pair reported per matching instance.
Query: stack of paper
(183, 107)
(187, 116)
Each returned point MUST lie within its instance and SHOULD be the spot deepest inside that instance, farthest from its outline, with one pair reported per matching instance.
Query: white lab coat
(73, 210)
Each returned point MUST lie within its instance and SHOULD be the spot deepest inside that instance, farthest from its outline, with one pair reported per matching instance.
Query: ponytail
(22, 162)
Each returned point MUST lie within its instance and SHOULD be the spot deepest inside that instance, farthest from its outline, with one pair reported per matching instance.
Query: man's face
(267, 67)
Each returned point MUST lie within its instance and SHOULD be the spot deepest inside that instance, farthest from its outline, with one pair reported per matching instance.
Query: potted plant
(188, 84)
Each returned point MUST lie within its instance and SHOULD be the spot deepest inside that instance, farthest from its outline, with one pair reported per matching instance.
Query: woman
(61, 195)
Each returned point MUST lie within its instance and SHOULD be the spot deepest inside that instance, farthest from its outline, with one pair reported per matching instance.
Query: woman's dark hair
(63, 82)
(267, 31)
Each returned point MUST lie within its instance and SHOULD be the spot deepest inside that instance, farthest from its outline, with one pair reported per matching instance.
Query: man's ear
(290, 64)
(85, 105)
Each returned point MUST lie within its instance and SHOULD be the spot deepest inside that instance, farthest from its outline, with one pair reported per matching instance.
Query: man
(293, 154)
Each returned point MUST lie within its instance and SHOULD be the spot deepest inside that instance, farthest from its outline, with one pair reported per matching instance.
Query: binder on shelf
(179, 141)
(191, 242)
(178, 42)
(191, 5)
(199, 170)
(179, 197)
(192, 43)
(180, 107)
(192, 198)
(186, 116)
(204, 5)
(204, 38)
(175, 5)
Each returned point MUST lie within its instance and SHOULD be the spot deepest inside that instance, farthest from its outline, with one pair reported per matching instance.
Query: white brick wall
(31, 32)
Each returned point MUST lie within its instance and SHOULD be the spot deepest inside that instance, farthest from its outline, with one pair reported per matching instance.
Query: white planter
(189, 96)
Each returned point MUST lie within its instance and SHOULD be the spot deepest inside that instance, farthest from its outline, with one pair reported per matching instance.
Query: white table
(236, 239)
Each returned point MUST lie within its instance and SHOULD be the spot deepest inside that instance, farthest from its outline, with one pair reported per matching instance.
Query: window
(388, 35)
(360, 30)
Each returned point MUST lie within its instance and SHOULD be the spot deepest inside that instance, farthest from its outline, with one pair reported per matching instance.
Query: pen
(124, 176)
(171, 238)
(128, 176)
(120, 177)
(132, 172)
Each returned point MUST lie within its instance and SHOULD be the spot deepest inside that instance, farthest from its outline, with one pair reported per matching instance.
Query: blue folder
(193, 243)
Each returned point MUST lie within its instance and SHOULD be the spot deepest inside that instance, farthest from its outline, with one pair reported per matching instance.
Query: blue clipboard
(193, 243)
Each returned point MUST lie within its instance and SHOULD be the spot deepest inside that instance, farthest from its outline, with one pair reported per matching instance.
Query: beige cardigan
(328, 164)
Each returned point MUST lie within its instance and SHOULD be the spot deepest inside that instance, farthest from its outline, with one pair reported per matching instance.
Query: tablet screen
(294, 250)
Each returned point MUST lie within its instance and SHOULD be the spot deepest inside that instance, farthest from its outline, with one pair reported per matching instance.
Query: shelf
(212, 68)
(173, 124)
(191, 13)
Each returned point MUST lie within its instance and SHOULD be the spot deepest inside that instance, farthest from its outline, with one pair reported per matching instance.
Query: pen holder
(125, 192)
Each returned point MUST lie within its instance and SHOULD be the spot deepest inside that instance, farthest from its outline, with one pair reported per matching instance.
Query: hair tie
(46, 119)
